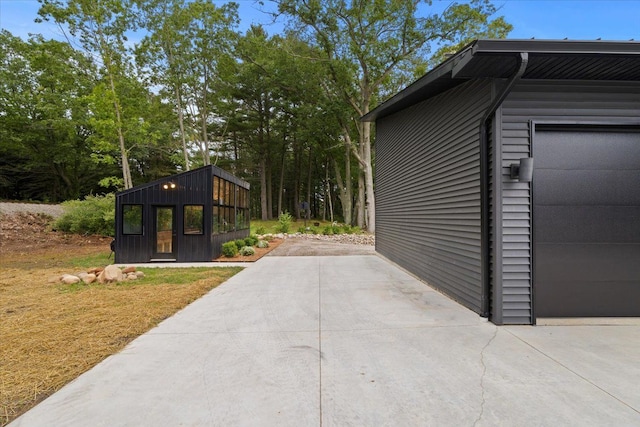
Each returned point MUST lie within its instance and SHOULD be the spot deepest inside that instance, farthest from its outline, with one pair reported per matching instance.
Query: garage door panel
(586, 263)
(587, 187)
(587, 150)
(597, 224)
(586, 223)
(586, 299)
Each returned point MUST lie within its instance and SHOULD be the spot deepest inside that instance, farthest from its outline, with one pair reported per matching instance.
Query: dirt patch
(26, 240)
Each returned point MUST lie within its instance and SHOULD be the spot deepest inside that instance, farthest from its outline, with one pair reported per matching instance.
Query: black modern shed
(185, 217)
(508, 177)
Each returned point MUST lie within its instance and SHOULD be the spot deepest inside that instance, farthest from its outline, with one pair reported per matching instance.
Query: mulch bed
(260, 252)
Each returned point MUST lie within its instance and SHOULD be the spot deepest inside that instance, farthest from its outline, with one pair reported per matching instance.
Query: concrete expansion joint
(484, 371)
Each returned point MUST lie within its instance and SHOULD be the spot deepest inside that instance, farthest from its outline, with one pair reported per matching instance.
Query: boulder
(89, 278)
(54, 279)
(128, 270)
(140, 274)
(94, 270)
(132, 276)
(70, 279)
(110, 274)
(81, 275)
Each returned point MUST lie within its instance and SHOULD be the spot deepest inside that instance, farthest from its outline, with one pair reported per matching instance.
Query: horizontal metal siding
(428, 190)
(561, 101)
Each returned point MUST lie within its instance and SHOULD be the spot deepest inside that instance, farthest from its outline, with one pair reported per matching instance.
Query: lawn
(51, 333)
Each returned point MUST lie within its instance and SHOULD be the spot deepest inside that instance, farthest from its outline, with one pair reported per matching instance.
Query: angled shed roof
(548, 59)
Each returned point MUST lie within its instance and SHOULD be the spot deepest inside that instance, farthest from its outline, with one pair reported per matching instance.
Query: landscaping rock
(89, 278)
(140, 274)
(110, 274)
(127, 270)
(69, 279)
(54, 279)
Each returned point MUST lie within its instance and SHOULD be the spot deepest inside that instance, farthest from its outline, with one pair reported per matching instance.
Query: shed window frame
(189, 226)
(126, 226)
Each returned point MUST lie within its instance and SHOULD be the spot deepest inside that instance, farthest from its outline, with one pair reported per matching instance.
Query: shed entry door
(586, 229)
(164, 232)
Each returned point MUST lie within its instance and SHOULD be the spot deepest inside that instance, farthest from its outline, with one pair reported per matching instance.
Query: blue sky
(542, 19)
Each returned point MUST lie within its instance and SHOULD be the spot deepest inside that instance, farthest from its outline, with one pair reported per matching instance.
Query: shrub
(302, 230)
(313, 230)
(254, 240)
(262, 244)
(284, 222)
(240, 243)
(268, 238)
(247, 251)
(93, 215)
(336, 229)
(327, 231)
(347, 229)
(261, 230)
(229, 249)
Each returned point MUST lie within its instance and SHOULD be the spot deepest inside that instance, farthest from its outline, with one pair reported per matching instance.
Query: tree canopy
(142, 89)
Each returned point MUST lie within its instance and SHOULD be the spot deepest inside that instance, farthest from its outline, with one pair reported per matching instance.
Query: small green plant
(347, 229)
(247, 251)
(261, 230)
(327, 231)
(240, 243)
(268, 238)
(262, 244)
(335, 228)
(302, 230)
(313, 230)
(356, 230)
(229, 249)
(284, 222)
(254, 240)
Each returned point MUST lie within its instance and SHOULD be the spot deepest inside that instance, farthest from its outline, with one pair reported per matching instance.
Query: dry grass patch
(53, 333)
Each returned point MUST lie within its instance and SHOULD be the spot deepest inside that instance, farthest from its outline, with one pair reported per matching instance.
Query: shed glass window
(194, 219)
(132, 219)
(216, 191)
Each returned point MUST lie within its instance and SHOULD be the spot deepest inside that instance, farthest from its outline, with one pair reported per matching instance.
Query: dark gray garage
(508, 177)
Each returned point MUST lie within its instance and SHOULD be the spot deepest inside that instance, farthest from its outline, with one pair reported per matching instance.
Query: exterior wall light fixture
(169, 185)
(522, 171)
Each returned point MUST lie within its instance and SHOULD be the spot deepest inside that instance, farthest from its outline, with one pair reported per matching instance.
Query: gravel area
(15, 208)
(352, 239)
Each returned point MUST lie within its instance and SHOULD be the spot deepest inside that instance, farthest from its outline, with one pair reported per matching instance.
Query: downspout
(523, 60)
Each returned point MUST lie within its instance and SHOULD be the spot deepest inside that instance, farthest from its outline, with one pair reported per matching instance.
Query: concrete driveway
(351, 341)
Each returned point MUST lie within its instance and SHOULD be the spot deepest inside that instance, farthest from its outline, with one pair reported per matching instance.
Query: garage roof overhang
(548, 59)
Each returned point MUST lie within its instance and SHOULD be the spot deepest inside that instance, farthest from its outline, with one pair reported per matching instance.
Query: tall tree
(365, 42)
(101, 26)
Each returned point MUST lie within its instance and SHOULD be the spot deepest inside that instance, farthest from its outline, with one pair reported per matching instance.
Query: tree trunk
(281, 186)
(368, 178)
(263, 190)
(360, 204)
(307, 213)
(126, 172)
(182, 135)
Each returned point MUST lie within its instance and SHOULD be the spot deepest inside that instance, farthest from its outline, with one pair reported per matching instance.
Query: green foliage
(93, 215)
(284, 222)
(262, 244)
(335, 228)
(229, 249)
(261, 230)
(251, 241)
(247, 251)
(240, 243)
(328, 231)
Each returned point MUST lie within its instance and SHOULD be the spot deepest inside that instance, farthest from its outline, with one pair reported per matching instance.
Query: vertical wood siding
(549, 101)
(428, 190)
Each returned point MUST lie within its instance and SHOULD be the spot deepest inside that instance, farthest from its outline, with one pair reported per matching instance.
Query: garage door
(586, 223)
